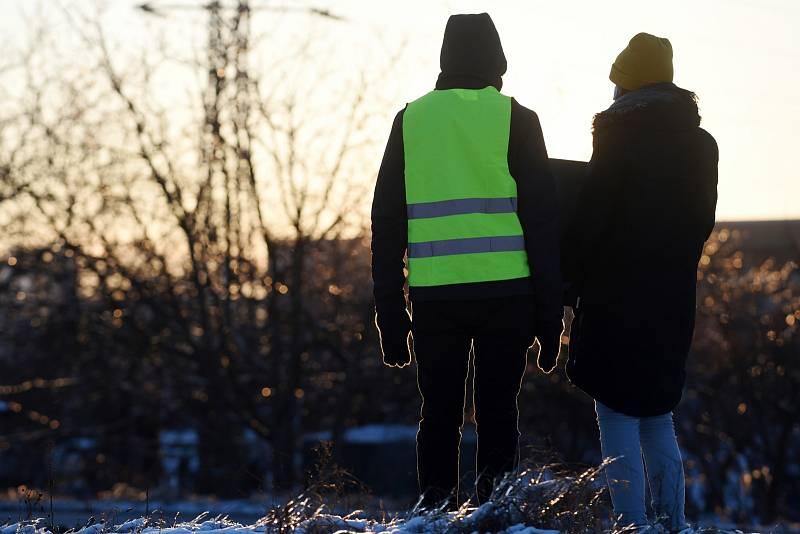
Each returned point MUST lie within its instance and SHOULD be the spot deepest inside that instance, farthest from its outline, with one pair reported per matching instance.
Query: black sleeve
(390, 226)
(537, 209)
(590, 225)
(712, 174)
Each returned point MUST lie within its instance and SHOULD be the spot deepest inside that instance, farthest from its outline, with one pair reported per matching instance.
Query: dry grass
(531, 502)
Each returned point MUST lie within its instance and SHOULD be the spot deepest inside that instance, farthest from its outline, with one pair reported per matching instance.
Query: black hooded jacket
(645, 210)
(472, 58)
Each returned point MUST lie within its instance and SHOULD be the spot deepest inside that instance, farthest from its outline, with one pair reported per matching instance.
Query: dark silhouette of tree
(215, 265)
(741, 420)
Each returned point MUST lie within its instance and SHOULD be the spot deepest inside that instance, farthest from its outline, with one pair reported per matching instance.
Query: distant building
(178, 450)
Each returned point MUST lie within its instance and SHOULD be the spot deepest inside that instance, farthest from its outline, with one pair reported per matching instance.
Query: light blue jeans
(627, 438)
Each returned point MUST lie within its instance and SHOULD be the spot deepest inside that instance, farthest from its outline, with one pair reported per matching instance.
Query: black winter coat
(643, 215)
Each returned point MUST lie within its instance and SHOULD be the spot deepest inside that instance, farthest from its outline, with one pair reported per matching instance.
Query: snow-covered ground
(320, 524)
(535, 502)
(437, 523)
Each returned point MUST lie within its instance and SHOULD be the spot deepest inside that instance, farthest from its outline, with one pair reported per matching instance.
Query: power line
(161, 9)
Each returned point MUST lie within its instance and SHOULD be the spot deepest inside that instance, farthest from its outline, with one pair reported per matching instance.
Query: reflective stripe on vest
(461, 197)
(442, 208)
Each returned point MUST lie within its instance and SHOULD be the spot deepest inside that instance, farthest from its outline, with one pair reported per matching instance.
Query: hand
(549, 335)
(395, 351)
(394, 327)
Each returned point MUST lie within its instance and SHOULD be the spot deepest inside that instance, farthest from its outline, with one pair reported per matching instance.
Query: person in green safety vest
(465, 193)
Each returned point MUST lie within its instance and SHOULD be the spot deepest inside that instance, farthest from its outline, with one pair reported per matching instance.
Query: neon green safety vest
(462, 200)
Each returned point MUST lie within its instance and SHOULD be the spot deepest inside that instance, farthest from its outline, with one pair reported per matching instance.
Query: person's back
(460, 195)
(645, 212)
(465, 190)
(665, 173)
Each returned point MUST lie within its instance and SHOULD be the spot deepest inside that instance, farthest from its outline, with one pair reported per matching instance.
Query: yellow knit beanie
(646, 60)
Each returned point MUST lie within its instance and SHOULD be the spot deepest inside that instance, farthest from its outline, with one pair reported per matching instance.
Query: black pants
(499, 330)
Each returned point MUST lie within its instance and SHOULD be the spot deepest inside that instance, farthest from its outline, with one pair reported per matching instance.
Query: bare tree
(213, 244)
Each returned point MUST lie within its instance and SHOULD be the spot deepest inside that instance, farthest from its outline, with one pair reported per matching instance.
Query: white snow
(371, 434)
(320, 524)
(416, 524)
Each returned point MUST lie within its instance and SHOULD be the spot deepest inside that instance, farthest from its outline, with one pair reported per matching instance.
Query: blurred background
(185, 294)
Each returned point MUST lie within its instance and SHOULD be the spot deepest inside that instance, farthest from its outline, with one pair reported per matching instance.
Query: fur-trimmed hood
(662, 106)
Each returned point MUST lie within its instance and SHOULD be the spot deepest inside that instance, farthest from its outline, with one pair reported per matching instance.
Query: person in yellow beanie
(644, 212)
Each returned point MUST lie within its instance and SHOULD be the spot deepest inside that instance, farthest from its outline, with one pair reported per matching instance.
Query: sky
(742, 58)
